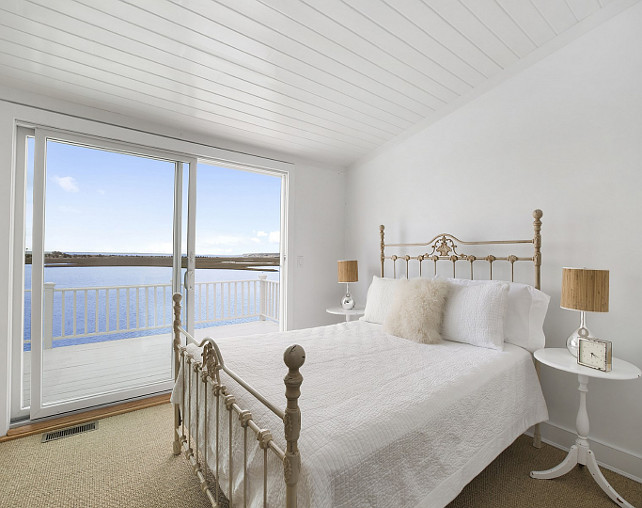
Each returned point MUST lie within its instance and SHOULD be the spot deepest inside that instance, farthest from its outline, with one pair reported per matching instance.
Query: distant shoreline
(258, 262)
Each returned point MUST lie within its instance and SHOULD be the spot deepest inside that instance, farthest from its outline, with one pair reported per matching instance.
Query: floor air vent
(69, 431)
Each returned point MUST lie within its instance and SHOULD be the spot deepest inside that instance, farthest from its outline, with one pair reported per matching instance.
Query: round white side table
(349, 314)
(580, 453)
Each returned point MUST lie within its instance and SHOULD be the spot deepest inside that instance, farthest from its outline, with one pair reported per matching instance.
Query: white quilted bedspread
(385, 421)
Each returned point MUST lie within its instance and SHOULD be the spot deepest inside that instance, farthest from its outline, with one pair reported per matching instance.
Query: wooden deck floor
(74, 372)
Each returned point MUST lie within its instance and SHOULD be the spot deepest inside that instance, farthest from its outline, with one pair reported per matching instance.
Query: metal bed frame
(203, 379)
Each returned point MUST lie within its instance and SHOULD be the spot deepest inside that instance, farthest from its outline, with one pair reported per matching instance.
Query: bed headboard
(444, 247)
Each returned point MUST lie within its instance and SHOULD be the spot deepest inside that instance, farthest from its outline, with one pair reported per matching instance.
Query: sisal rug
(128, 462)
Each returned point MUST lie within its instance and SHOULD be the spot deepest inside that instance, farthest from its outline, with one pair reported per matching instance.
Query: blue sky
(99, 201)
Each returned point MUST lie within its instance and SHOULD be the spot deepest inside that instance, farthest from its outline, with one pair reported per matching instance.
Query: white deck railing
(72, 313)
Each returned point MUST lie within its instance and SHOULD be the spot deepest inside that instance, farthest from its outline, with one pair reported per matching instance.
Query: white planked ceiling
(328, 80)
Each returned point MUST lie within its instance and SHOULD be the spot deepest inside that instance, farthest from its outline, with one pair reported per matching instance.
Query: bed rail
(199, 379)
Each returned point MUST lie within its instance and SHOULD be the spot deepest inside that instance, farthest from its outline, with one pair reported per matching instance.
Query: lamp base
(573, 341)
(347, 302)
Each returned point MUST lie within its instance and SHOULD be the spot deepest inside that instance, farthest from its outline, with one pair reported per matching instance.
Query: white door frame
(18, 310)
(190, 274)
(184, 284)
(37, 273)
(286, 282)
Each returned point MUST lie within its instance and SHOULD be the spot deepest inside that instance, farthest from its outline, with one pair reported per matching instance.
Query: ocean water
(147, 308)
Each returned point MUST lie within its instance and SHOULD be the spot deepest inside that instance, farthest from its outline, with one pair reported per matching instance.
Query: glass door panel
(103, 277)
(237, 245)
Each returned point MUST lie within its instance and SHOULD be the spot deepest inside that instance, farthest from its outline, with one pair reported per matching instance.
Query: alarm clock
(595, 353)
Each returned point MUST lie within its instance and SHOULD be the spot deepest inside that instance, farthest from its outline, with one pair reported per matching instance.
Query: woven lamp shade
(347, 271)
(584, 289)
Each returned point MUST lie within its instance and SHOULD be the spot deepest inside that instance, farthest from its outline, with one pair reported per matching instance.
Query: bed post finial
(294, 357)
(383, 245)
(537, 243)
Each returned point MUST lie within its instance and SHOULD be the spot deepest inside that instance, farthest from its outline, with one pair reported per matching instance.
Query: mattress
(385, 421)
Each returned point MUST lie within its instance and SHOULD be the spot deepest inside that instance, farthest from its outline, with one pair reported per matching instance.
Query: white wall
(564, 135)
(319, 244)
(316, 221)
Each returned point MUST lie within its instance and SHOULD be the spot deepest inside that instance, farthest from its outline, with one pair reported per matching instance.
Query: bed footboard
(199, 381)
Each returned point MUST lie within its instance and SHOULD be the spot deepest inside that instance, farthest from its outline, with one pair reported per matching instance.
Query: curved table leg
(591, 463)
(561, 469)
(581, 454)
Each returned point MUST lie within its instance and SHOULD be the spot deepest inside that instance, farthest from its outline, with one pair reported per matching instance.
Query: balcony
(111, 338)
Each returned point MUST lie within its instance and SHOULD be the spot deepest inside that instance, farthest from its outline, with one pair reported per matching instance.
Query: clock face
(594, 354)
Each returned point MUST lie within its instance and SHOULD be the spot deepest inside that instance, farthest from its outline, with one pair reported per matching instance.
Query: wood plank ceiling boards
(327, 81)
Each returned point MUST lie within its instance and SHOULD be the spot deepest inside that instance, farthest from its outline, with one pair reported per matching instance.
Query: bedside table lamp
(347, 272)
(587, 291)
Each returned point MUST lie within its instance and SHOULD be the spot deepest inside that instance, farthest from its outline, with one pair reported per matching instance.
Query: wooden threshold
(29, 429)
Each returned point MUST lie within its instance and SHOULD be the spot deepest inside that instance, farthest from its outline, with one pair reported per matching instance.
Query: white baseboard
(611, 457)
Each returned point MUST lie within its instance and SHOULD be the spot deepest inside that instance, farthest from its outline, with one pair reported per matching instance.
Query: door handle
(188, 280)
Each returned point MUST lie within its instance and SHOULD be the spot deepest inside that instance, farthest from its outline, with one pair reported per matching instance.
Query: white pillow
(417, 309)
(379, 299)
(525, 313)
(474, 313)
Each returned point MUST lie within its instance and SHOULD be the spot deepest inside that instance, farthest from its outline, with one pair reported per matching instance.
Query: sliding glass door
(104, 265)
(105, 233)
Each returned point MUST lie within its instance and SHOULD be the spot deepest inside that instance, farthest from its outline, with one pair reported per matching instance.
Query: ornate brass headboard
(444, 247)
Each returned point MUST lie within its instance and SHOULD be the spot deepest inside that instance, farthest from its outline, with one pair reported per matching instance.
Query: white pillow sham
(525, 313)
(379, 299)
(474, 313)
(417, 310)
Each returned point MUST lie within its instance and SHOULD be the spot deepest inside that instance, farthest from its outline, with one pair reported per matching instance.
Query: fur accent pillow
(417, 309)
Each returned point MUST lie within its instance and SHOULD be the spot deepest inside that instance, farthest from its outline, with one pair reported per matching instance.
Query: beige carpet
(128, 462)
(506, 483)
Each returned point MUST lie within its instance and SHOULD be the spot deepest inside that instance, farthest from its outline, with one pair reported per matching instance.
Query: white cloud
(261, 234)
(66, 183)
(274, 237)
